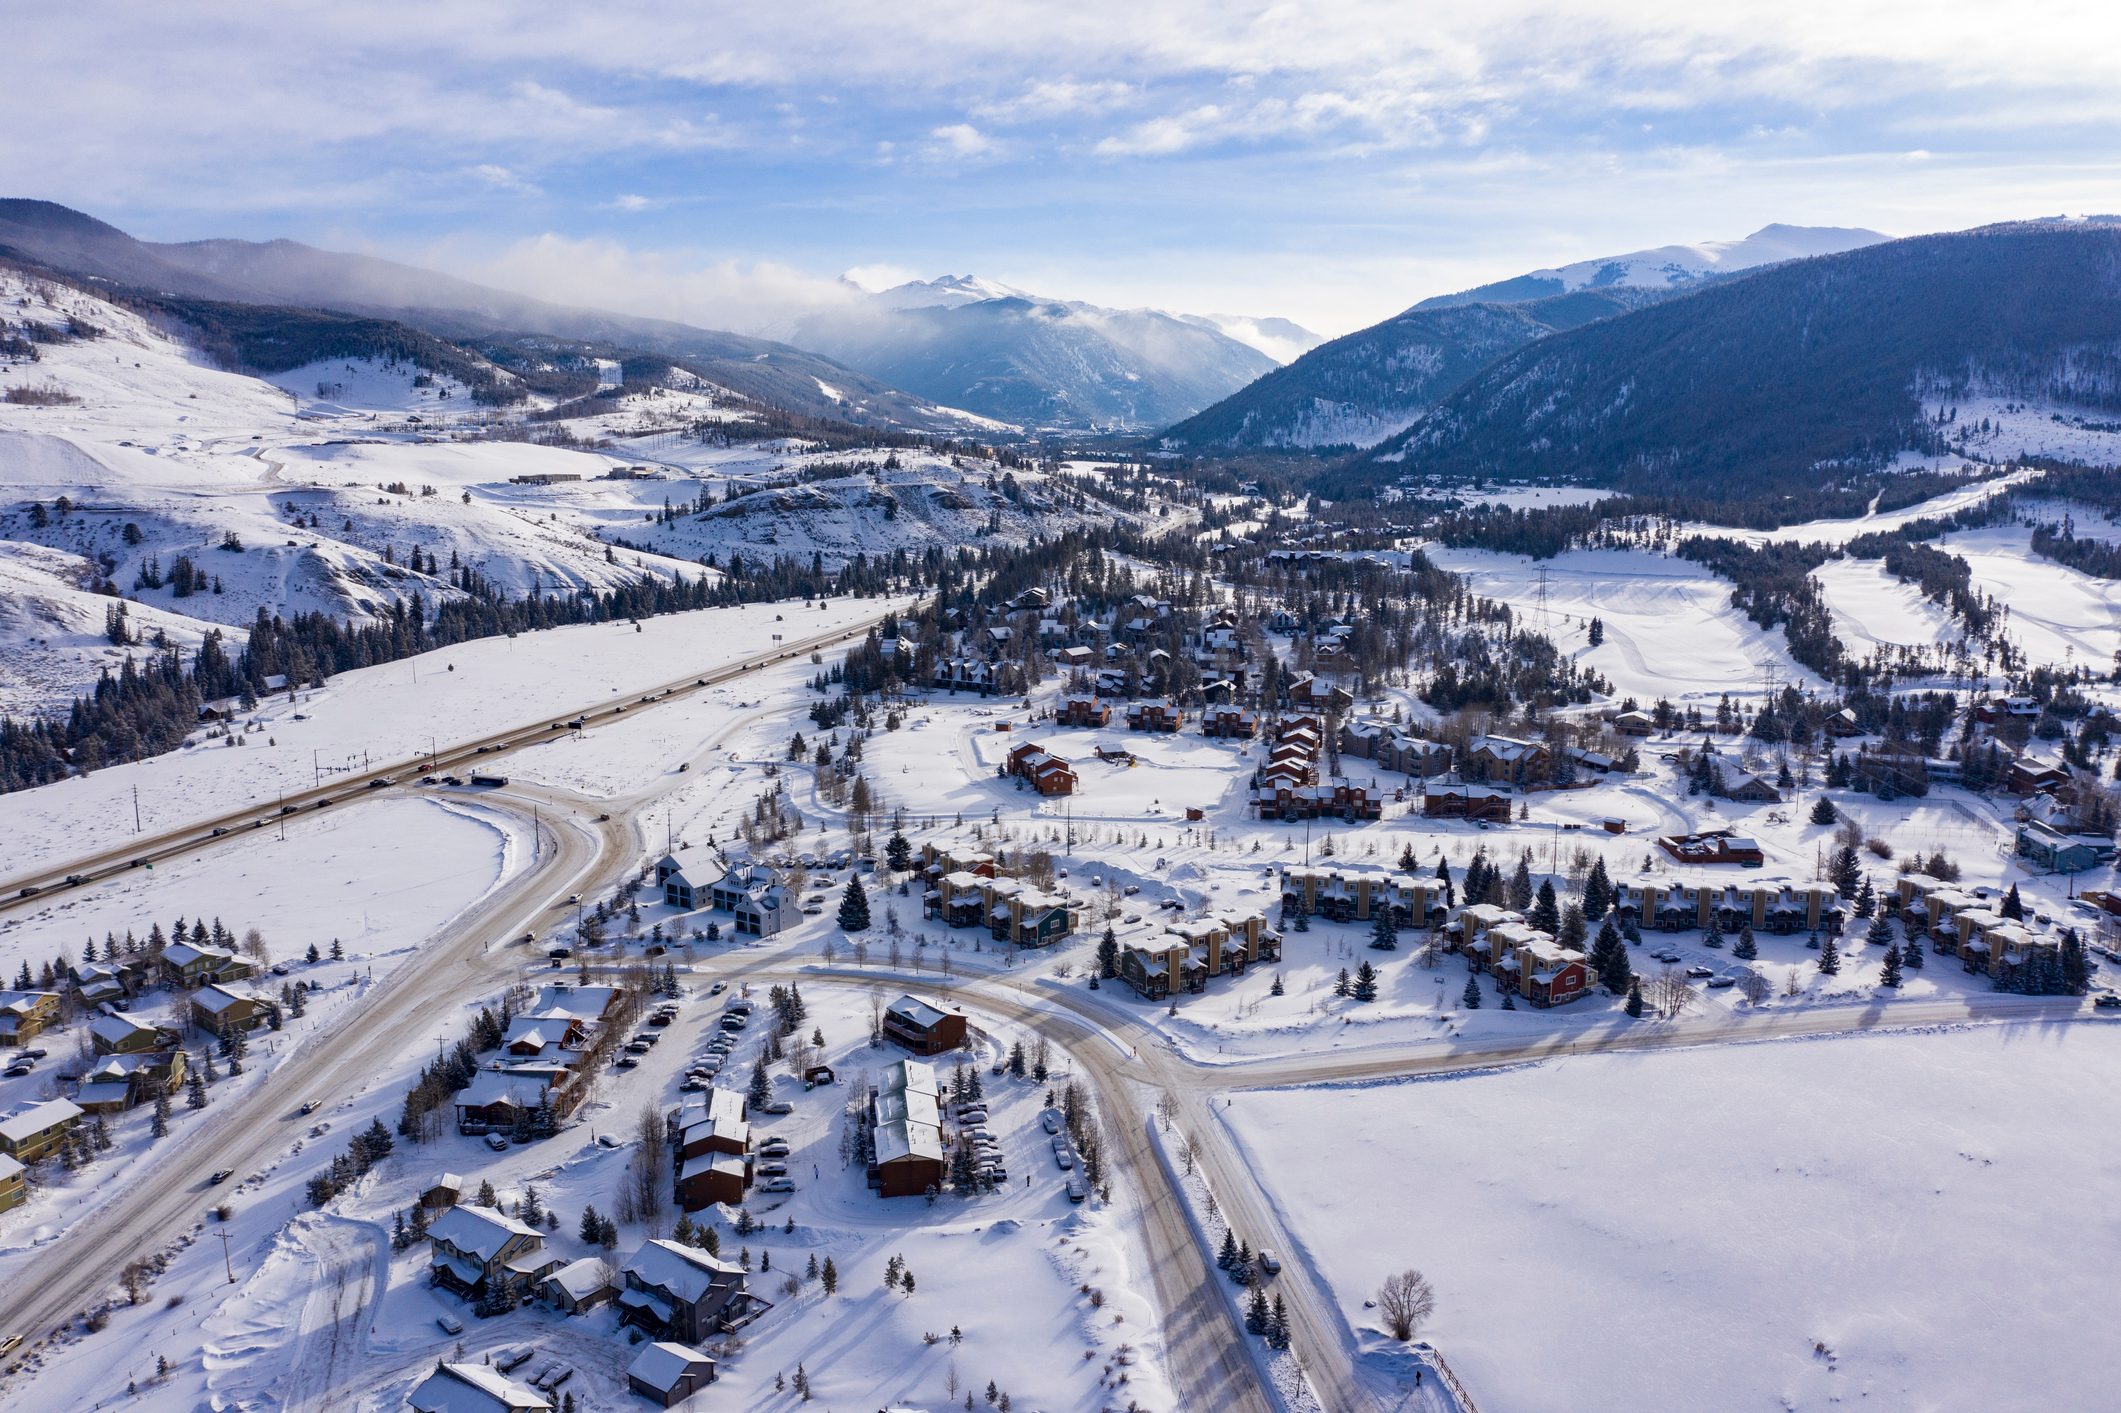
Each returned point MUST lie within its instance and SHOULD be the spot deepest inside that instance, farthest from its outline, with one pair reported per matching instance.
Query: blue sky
(1326, 162)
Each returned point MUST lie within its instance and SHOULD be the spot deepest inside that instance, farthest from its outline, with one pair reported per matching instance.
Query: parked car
(450, 1324)
(1698, 972)
(774, 1148)
(626, 1062)
(1077, 1189)
(693, 1084)
(779, 1184)
(1051, 1120)
(2106, 1000)
(497, 1142)
(1721, 983)
(1063, 1154)
(777, 1106)
(773, 1169)
(1667, 956)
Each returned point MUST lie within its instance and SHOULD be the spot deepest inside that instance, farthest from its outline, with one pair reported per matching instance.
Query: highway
(480, 753)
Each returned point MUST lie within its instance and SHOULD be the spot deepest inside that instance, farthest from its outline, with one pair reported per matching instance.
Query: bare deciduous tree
(1406, 1300)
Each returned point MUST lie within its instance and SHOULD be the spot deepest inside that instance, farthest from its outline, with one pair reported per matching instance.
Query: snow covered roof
(478, 1231)
(907, 1076)
(523, 1089)
(662, 1364)
(219, 1000)
(685, 1271)
(474, 1388)
(580, 1002)
(914, 1011)
(25, 1124)
(182, 954)
(580, 1279)
(117, 1029)
(896, 1141)
(9, 1168)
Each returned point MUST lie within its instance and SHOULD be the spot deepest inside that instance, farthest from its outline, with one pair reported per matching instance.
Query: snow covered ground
(2057, 614)
(1872, 609)
(1669, 628)
(1794, 1225)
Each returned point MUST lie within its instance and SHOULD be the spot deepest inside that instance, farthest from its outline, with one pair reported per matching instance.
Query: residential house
(2029, 775)
(1229, 722)
(105, 983)
(1443, 800)
(1083, 709)
(1747, 788)
(2057, 852)
(24, 1015)
(679, 1292)
(194, 964)
(474, 1388)
(476, 1250)
(1024, 916)
(759, 897)
(905, 1128)
(115, 1083)
(221, 1010)
(14, 1187)
(1506, 758)
(1047, 773)
(1160, 714)
(669, 1373)
(1159, 970)
(1634, 723)
(502, 1100)
(36, 1130)
(1715, 846)
(924, 1027)
(712, 1156)
(115, 1033)
(577, 1287)
(1354, 894)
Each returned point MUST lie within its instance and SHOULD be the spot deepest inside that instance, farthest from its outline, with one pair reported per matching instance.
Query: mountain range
(1040, 362)
(1793, 374)
(1361, 389)
(284, 272)
(908, 357)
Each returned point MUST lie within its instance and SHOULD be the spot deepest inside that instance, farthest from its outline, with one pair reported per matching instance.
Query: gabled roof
(685, 1271)
(474, 1388)
(28, 1122)
(478, 1231)
(662, 1364)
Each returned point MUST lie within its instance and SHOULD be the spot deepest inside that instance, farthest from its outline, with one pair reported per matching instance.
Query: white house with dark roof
(473, 1247)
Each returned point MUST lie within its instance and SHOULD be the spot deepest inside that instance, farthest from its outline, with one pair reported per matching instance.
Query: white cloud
(1053, 98)
(501, 178)
(962, 140)
(634, 203)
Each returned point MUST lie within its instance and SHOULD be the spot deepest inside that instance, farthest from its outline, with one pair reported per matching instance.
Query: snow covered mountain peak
(1669, 266)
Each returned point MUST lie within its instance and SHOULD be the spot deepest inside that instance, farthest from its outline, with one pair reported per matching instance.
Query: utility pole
(316, 767)
(1545, 622)
(136, 809)
(281, 813)
(227, 1263)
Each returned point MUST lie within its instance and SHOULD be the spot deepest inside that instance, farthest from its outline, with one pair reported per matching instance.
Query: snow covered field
(1872, 609)
(1900, 1221)
(2058, 614)
(1670, 631)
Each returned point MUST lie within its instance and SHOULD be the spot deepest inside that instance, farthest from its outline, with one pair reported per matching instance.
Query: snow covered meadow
(1902, 1220)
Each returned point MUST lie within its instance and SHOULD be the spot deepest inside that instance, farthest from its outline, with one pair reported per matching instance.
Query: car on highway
(289, 809)
(574, 897)
(218, 831)
(380, 781)
(220, 1176)
(716, 989)
(75, 880)
(29, 890)
(427, 780)
(311, 1106)
(9, 1344)
(779, 1184)
(451, 780)
(1269, 1262)
(323, 802)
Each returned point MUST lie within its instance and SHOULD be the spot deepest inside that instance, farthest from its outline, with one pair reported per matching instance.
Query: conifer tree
(1634, 1005)
(1340, 987)
(1597, 892)
(1108, 954)
(1866, 899)
(1472, 993)
(1546, 911)
(1384, 929)
(1609, 959)
(1365, 988)
(1880, 931)
(1829, 957)
(854, 908)
(160, 1126)
(2013, 906)
(1889, 975)
(1911, 953)
(1747, 949)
